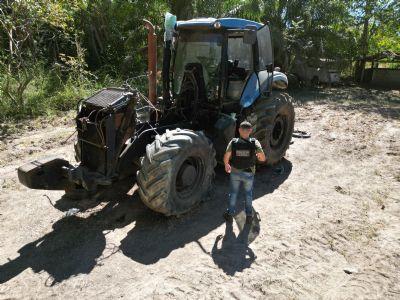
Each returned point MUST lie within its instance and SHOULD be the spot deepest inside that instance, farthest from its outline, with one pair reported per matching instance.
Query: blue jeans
(247, 178)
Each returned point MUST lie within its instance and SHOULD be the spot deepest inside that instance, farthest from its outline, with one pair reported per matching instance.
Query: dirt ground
(330, 219)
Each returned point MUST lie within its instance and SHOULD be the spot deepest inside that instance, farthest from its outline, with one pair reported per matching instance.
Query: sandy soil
(330, 219)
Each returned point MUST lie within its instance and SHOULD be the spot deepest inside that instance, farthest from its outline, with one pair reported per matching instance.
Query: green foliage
(47, 92)
(115, 36)
(54, 52)
(33, 33)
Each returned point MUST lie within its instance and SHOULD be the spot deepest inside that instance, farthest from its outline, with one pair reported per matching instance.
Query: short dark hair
(246, 125)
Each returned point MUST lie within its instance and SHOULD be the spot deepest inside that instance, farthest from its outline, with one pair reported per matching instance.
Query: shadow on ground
(234, 254)
(77, 244)
(148, 242)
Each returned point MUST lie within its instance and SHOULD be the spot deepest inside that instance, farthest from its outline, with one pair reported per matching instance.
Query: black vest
(243, 153)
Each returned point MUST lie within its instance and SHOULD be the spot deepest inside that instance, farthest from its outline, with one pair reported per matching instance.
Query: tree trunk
(364, 47)
(183, 9)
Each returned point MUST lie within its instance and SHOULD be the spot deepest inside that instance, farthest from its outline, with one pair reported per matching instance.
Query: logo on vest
(243, 153)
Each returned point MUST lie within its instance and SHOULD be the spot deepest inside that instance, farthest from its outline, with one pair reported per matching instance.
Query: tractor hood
(211, 23)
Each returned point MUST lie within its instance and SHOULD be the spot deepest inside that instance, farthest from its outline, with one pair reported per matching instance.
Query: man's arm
(227, 158)
(260, 152)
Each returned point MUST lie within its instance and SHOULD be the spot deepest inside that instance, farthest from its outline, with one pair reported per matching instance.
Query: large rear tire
(274, 127)
(177, 171)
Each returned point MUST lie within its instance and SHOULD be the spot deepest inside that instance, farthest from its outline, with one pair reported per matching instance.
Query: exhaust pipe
(152, 60)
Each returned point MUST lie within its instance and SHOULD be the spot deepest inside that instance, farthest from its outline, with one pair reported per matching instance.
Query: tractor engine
(105, 121)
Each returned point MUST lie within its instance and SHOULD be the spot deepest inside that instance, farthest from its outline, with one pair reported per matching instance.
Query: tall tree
(378, 20)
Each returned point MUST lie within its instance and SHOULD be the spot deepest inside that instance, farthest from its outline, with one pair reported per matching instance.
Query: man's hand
(227, 157)
(261, 156)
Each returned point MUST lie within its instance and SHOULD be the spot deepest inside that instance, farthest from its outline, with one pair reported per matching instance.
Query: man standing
(240, 162)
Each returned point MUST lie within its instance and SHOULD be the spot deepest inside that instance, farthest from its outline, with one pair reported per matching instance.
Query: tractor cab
(224, 63)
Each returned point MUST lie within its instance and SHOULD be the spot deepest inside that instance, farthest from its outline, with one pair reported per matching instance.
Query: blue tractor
(216, 73)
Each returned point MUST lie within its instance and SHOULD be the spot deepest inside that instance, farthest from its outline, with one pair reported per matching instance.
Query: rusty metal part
(152, 60)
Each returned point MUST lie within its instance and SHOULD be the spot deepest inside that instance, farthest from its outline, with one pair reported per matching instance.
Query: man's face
(245, 132)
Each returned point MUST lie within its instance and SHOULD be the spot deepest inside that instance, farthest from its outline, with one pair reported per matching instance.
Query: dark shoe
(249, 220)
(228, 217)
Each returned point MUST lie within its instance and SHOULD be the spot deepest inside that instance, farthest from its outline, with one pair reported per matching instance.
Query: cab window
(240, 66)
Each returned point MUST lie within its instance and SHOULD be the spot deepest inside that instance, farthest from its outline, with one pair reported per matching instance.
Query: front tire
(177, 171)
(275, 128)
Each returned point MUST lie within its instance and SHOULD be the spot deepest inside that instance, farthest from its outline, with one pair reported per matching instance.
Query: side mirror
(250, 35)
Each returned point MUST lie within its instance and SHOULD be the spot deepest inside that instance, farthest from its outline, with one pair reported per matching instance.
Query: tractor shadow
(148, 242)
(77, 243)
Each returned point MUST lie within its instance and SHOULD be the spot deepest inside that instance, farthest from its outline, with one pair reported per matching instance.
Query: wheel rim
(278, 132)
(189, 177)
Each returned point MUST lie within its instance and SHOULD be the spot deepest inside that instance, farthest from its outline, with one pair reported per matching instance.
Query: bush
(49, 91)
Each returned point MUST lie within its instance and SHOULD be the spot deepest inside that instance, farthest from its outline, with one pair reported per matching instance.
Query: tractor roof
(207, 23)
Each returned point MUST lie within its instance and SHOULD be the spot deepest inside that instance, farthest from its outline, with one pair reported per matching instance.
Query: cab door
(240, 67)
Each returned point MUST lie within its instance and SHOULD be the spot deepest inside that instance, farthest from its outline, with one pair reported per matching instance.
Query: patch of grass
(49, 92)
